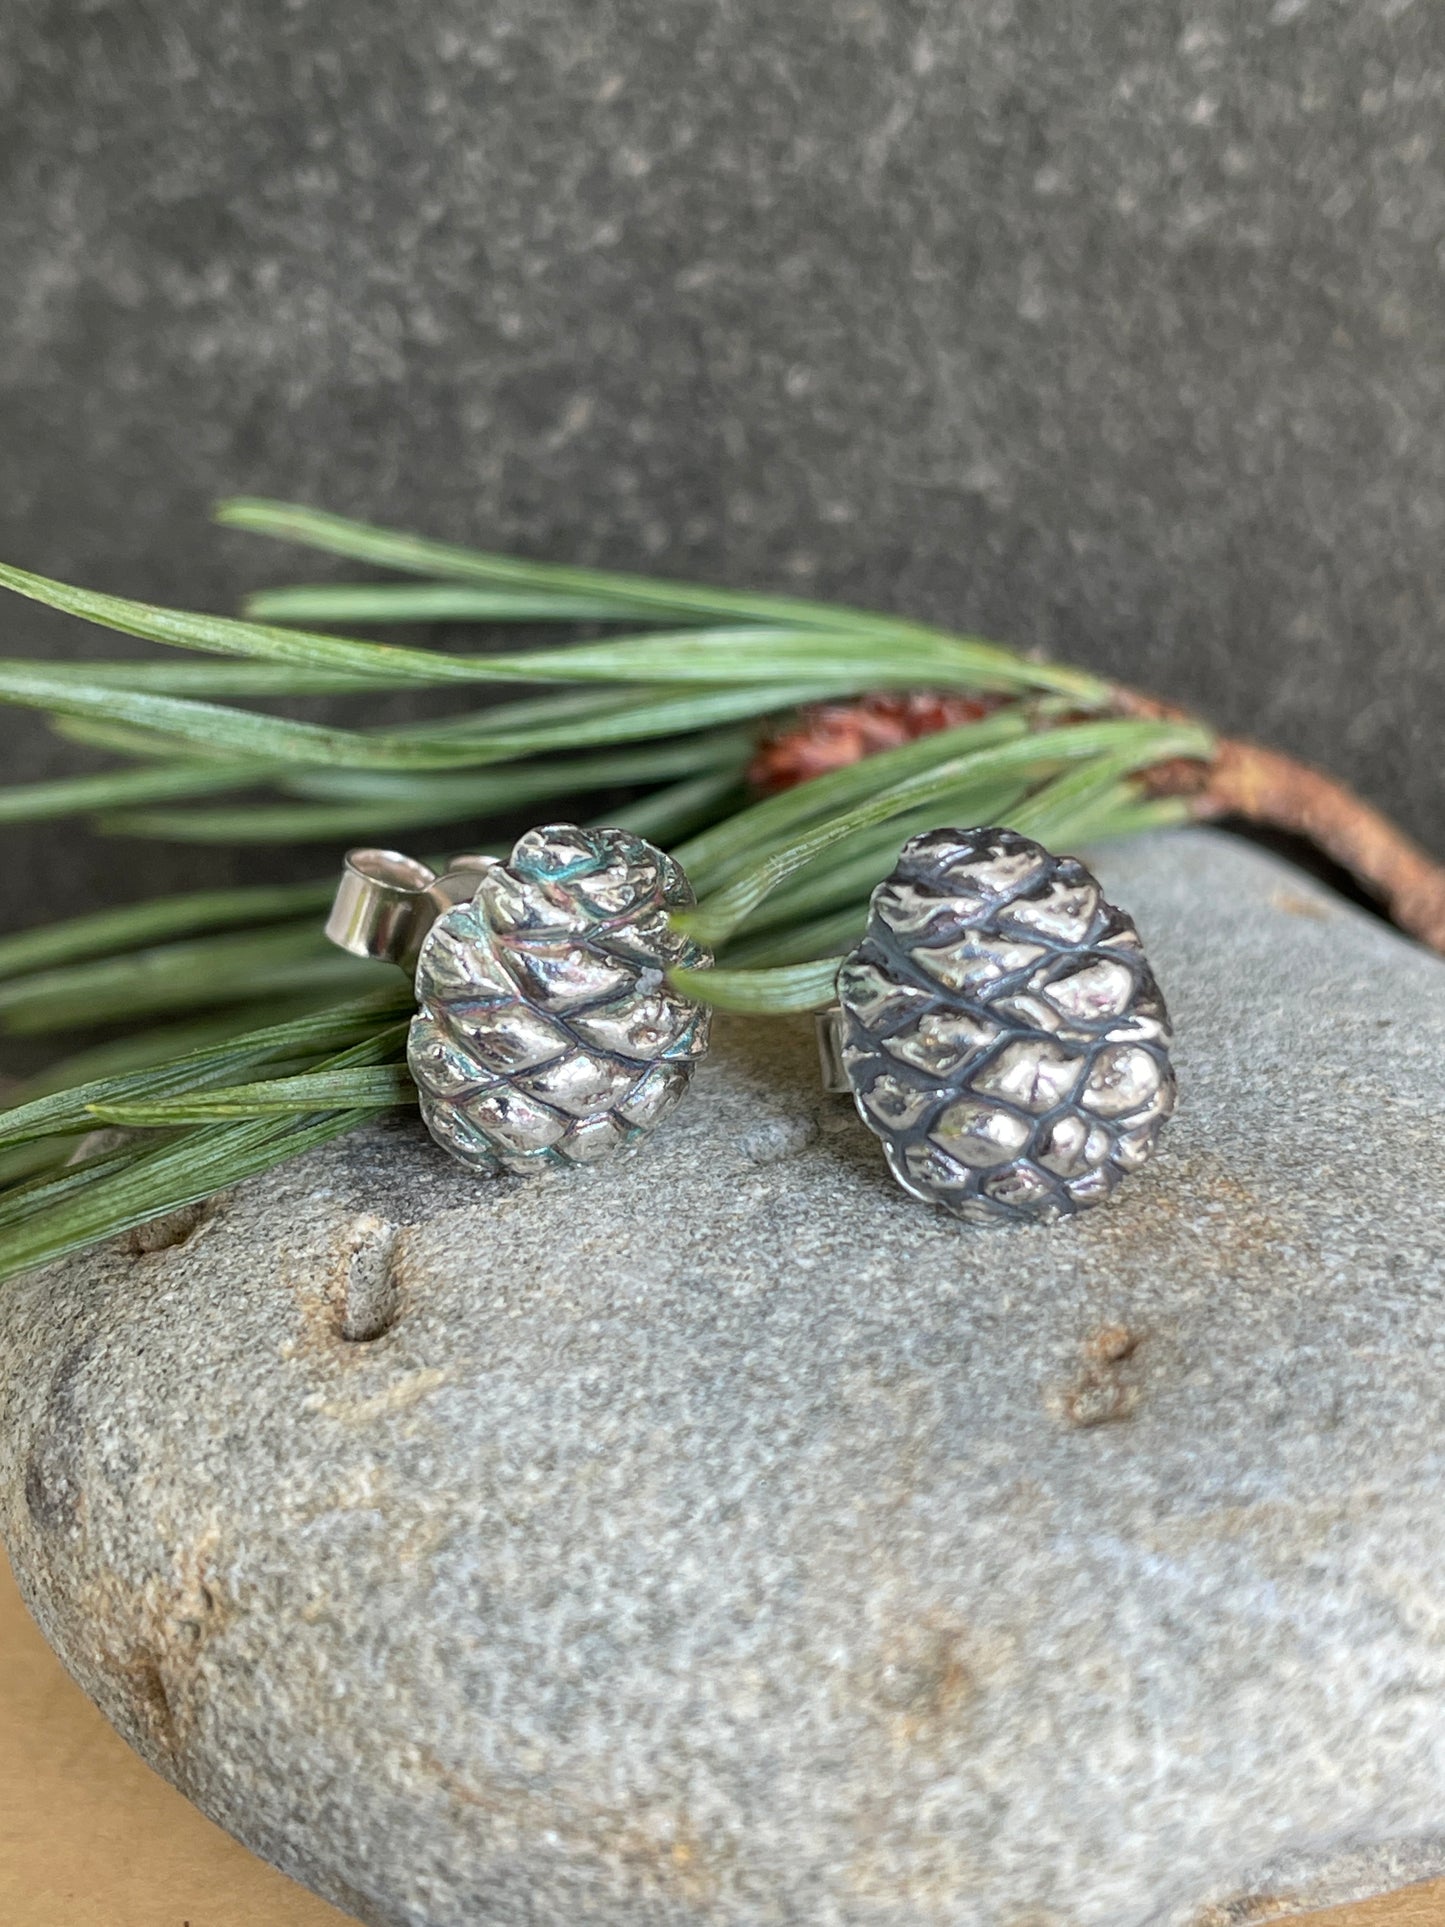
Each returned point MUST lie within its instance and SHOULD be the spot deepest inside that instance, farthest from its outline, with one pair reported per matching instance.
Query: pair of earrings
(998, 1026)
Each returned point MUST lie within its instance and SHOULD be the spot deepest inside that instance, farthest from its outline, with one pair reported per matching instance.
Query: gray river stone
(725, 1538)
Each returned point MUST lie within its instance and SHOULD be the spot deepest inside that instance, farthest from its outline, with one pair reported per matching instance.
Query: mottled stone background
(1111, 328)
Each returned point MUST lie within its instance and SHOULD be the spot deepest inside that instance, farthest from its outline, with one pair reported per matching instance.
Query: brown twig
(1266, 787)
(1242, 780)
(1262, 786)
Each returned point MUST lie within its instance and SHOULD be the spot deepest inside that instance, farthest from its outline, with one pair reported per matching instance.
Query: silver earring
(1000, 1030)
(547, 1033)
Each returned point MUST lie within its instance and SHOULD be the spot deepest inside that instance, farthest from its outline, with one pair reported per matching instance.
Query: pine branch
(232, 1048)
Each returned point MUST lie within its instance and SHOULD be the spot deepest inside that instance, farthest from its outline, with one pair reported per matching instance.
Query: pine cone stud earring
(546, 1033)
(1001, 1031)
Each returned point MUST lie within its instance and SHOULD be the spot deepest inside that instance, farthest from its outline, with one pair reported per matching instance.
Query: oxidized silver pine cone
(547, 1033)
(1002, 1031)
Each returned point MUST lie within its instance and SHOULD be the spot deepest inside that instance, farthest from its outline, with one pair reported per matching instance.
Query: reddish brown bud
(829, 736)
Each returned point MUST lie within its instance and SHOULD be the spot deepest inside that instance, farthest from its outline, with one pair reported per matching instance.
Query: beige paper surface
(90, 1837)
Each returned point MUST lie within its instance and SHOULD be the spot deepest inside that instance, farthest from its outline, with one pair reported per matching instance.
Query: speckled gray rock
(723, 1539)
(1108, 327)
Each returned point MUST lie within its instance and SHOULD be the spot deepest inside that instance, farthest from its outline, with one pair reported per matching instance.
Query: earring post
(828, 1027)
(386, 903)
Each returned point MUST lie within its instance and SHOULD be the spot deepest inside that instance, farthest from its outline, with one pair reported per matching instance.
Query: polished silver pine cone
(547, 1033)
(1002, 1031)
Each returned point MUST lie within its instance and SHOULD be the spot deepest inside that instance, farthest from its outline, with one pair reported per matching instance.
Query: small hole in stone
(1112, 1344)
(163, 1233)
(373, 1293)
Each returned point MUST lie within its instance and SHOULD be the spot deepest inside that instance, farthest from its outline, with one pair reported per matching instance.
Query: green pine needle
(763, 993)
(370, 603)
(370, 1022)
(106, 932)
(376, 1089)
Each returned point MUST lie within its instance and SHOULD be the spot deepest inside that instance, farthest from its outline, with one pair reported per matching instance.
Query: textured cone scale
(547, 1033)
(1003, 1033)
